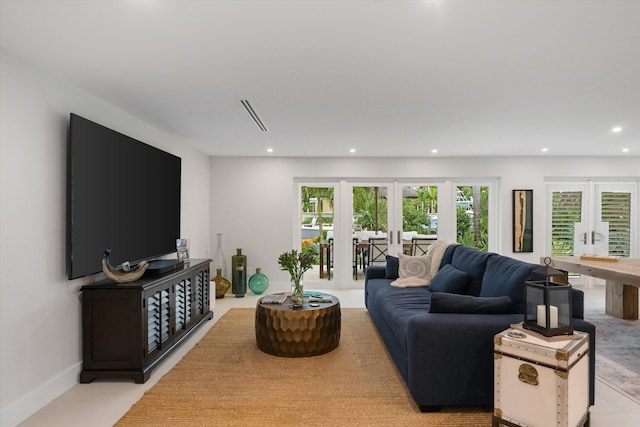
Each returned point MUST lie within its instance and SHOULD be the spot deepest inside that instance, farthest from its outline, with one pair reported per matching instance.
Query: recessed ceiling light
(616, 129)
(625, 150)
(353, 150)
(544, 150)
(434, 151)
(269, 150)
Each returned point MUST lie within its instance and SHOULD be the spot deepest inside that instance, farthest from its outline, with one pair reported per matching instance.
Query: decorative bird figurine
(122, 276)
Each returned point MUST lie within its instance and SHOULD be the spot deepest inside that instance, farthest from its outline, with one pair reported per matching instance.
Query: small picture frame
(522, 220)
(182, 248)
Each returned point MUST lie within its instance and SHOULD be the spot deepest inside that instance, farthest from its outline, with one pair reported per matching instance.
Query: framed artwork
(522, 220)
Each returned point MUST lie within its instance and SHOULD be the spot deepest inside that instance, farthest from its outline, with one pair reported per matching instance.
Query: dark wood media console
(128, 328)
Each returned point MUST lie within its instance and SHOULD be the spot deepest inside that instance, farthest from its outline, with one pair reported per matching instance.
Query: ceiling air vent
(253, 115)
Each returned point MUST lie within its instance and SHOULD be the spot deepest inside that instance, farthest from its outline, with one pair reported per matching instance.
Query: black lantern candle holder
(548, 306)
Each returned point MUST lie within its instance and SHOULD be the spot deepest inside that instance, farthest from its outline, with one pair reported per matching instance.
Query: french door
(390, 218)
(357, 223)
(593, 217)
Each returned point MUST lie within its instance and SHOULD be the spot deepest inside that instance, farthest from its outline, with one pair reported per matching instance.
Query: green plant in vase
(296, 263)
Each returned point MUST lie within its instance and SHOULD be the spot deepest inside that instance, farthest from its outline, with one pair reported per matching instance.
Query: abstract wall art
(522, 220)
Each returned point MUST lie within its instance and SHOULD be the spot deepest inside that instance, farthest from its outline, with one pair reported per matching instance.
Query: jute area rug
(226, 380)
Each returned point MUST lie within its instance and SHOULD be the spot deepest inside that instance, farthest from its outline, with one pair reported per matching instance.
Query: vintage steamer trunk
(540, 382)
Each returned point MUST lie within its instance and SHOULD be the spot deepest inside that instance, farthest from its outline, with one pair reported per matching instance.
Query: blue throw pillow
(451, 280)
(392, 267)
(468, 304)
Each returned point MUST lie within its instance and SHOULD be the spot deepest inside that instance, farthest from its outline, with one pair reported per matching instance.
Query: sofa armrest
(453, 354)
(375, 272)
(371, 273)
(577, 302)
(436, 341)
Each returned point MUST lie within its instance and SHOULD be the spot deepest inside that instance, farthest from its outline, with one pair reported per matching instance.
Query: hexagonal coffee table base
(310, 331)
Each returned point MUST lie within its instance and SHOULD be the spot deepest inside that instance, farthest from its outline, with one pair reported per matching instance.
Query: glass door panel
(316, 224)
(568, 231)
(419, 218)
(611, 233)
(472, 216)
(569, 217)
(370, 222)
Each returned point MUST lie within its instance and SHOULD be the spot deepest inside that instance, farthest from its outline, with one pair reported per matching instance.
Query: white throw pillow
(413, 271)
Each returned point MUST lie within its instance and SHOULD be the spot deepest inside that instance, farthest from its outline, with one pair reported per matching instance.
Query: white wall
(253, 199)
(40, 323)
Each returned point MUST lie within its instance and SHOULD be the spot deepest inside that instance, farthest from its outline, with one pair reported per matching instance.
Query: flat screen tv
(123, 195)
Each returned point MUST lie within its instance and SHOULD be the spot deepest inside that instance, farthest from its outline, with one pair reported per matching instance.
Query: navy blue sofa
(442, 342)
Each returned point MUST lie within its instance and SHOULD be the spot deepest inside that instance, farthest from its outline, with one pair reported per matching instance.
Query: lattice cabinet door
(183, 304)
(158, 320)
(201, 292)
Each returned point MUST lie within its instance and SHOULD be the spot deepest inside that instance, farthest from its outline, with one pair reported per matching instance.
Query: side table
(540, 381)
(309, 331)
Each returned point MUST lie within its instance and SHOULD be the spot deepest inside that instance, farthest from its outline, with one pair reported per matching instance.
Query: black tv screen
(123, 195)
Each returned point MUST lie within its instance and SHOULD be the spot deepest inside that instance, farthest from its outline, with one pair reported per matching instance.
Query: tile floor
(102, 403)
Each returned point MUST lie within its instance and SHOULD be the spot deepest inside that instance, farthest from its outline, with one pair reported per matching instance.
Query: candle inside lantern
(553, 316)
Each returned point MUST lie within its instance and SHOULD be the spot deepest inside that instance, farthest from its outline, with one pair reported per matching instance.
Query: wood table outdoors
(325, 257)
(622, 278)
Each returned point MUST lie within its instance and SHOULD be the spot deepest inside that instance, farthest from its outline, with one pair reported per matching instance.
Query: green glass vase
(258, 283)
(236, 260)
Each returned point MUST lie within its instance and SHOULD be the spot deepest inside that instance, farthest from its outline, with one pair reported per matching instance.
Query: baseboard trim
(27, 405)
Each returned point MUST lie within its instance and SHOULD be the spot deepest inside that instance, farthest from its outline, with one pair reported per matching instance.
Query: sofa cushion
(473, 262)
(398, 305)
(450, 279)
(467, 304)
(448, 254)
(391, 268)
(506, 276)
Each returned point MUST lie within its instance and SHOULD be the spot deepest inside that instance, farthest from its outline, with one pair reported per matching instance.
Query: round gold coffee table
(309, 331)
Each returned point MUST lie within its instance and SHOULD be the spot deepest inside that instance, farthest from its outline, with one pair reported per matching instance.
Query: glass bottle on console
(219, 261)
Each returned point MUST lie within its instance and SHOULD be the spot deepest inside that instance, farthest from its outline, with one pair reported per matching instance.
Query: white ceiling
(388, 78)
